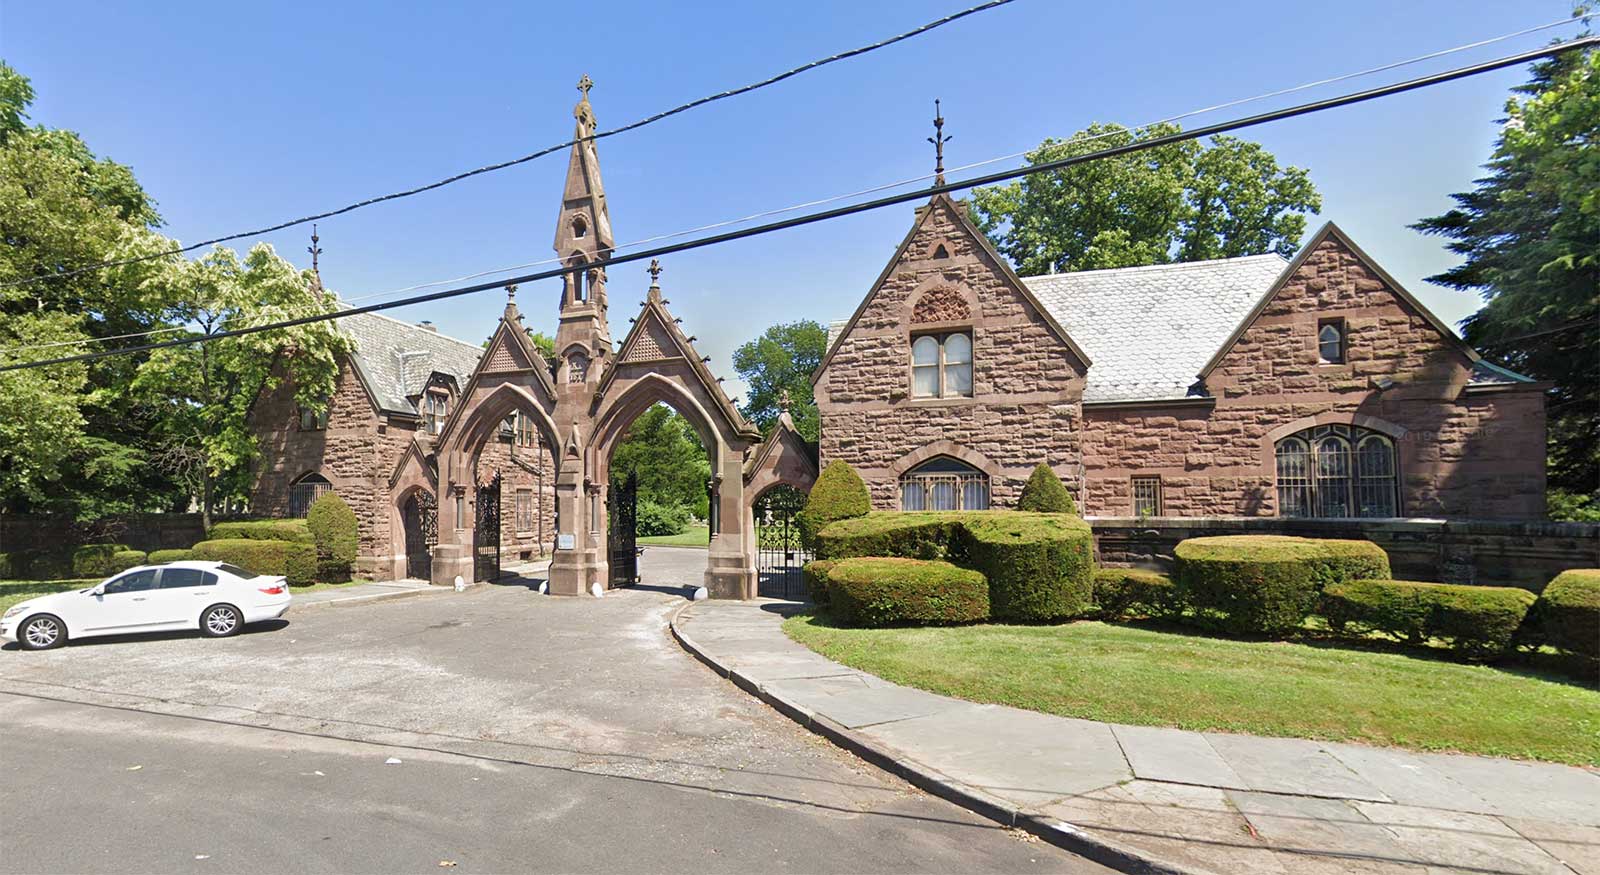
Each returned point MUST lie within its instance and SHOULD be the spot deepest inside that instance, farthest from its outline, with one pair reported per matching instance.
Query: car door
(125, 604)
(182, 594)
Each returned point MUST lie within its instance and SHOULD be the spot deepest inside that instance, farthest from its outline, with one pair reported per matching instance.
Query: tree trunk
(205, 499)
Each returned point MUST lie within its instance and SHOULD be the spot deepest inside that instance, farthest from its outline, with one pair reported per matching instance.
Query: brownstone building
(1254, 386)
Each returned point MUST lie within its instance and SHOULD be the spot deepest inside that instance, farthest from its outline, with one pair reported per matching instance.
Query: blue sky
(237, 116)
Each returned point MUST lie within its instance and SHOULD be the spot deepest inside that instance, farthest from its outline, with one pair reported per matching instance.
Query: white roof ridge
(1176, 265)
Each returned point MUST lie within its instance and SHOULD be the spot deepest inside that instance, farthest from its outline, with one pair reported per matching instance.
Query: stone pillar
(571, 567)
(730, 573)
(452, 554)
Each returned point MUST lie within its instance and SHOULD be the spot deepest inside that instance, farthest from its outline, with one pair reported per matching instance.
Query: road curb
(352, 601)
(1059, 833)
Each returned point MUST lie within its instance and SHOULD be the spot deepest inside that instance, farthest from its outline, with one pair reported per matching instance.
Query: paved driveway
(533, 733)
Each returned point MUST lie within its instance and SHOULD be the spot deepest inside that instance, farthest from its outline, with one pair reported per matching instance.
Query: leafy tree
(1184, 201)
(669, 458)
(86, 448)
(1530, 233)
(783, 359)
(206, 390)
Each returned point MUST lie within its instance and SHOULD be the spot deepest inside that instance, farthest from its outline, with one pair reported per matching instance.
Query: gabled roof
(395, 359)
(1151, 329)
(982, 240)
(1330, 230)
(784, 434)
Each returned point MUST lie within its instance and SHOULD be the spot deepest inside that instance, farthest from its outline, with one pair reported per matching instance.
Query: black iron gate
(421, 519)
(622, 516)
(779, 554)
(486, 532)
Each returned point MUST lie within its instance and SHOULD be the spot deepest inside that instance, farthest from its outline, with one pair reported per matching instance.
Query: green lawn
(14, 591)
(1148, 676)
(695, 536)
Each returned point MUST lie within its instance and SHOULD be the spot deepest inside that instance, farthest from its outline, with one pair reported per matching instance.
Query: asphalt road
(533, 733)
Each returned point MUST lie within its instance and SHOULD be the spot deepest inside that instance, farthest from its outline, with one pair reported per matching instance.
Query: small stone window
(1147, 496)
(941, 365)
(524, 511)
(1330, 341)
(305, 491)
(312, 419)
(943, 483)
(580, 228)
(526, 437)
(435, 407)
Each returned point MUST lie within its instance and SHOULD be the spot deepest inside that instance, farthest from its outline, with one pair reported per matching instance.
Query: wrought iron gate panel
(779, 553)
(486, 532)
(622, 519)
(421, 518)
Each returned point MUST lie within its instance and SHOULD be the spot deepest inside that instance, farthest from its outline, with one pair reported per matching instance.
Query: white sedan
(214, 597)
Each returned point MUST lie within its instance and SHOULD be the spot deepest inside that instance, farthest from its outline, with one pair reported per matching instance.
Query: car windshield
(238, 572)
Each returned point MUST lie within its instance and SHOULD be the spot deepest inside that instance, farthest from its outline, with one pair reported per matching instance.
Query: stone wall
(1470, 552)
(1027, 384)
(522, 470)
(1462, 452)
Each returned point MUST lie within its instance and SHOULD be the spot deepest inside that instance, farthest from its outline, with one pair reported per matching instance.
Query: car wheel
(42, 633)
(220, 621)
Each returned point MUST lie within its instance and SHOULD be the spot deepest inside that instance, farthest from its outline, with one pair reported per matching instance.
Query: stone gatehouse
(1254, 386)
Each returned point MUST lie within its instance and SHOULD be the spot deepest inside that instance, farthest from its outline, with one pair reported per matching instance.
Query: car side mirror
(99, 590)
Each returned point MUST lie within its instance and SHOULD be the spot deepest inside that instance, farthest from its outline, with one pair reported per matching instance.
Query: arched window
(1336, 471)
(305, 491)
(580, 228)
(943, 483)
(1330, 341)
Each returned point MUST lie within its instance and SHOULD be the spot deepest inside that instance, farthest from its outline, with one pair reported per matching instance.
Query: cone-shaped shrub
(1045, 493)
(838, 494)
(333, 530)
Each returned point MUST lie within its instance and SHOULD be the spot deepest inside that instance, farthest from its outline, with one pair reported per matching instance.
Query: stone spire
(583, 236)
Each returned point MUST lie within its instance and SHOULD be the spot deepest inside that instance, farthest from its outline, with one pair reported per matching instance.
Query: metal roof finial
(938, 140)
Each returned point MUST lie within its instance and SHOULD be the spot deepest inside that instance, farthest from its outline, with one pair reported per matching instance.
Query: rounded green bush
(1040, 566)
(95, 560)
(1267, 584)
(907, 534)
(879, 591)
(122, 560)
(838, 494)
(1568, 612)
(294, 560)
(261, 530)
(333, 531)
(159, 556)
(815, 575)
(1125, 592)
(1045, 493)
(1477, 621)
(654, 518)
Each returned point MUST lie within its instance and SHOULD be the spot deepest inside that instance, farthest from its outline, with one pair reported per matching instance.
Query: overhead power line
(879, 203)
(490, 168)
(86, 341)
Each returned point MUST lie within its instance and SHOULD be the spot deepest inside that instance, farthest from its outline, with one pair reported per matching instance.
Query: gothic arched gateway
(582, 402)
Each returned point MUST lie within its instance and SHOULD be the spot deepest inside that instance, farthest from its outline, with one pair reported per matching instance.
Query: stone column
(571, 568)
(730, 573)
(452, 554)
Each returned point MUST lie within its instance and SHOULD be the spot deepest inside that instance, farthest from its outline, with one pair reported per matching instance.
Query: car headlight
(15, 610)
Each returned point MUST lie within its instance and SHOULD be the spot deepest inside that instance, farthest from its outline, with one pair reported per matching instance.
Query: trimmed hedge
(122, 560)
(1478, 621)
(879, 591)
(1045, 493)
(1568, 612)
(261, 530)
(159, 556)
(1267, 584)
(1040, 566)
(815, 574)
(838, 494)
(295, 561)
(333, 530)
(96, 560)
(1125, 592)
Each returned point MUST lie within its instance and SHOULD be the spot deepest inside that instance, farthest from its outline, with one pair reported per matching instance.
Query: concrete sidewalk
(1152, 799)
(353, 593)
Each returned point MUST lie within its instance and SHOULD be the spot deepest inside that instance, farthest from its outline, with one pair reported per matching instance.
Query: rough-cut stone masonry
(1027, 383)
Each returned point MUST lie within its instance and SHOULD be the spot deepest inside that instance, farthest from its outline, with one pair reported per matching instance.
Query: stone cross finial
(585, 84)
(511, 292)
(655, 273)
(784, 401)
(938, 140)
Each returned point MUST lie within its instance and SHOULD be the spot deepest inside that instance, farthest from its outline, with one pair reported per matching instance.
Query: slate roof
(395, 358)
(1149, 330)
